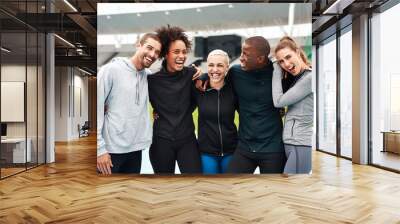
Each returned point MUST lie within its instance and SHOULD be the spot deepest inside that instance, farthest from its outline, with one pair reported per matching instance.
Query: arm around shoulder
(298, 92)
(277, 91)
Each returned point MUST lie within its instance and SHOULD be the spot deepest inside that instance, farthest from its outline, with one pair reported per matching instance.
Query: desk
(391, 141)
(16, 147)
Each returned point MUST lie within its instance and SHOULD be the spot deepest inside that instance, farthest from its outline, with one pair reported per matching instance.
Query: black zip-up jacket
(171, 97)
(217, 132)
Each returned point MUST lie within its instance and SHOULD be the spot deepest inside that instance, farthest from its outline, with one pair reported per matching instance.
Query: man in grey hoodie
(123, 122)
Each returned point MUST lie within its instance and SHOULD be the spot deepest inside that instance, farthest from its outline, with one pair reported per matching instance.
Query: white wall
(61, 103)
(70, 83)
(14, 73)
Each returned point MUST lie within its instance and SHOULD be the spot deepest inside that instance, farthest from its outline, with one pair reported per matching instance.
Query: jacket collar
(209, 88)
(164, 69)
(266, 68)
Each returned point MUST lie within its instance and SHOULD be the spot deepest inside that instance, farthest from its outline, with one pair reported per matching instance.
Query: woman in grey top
(298, 97)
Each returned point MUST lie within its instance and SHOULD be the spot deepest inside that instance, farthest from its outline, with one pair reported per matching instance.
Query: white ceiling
(211, 19)
(241, 15)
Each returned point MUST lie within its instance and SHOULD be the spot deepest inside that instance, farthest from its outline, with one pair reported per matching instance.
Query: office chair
(84, 130)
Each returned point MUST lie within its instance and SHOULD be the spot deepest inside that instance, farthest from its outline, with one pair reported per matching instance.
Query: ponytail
(288, 42)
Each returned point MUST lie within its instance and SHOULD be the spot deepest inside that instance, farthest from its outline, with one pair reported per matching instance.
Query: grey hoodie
(123, 119)
(298, 127)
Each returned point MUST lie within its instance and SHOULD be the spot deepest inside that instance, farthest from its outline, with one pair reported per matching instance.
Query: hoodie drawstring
(137, 74)
(137, 89)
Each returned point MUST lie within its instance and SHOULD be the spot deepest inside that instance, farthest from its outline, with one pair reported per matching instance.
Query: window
(327, 95)
(385, 89)
(346, 93)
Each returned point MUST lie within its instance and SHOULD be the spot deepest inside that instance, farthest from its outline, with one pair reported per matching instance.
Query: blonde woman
(217, 132)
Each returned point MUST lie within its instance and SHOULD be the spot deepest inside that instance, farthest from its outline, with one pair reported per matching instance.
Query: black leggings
(164, 153)
(247, 162)
(126, 162)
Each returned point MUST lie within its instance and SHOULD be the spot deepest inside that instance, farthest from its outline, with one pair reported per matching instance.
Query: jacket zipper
(293, 126)
(219, 127)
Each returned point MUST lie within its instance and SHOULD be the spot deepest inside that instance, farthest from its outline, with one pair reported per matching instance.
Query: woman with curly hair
(171, 97)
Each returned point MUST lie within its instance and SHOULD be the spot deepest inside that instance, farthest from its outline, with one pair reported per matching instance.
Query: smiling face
(217, 67)
(176, 56)
(290, 60)
(148, 52)
(249, 58)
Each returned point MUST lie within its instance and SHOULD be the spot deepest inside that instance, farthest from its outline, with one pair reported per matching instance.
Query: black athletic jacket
(217, 132)
(171, 97)
(260, 128)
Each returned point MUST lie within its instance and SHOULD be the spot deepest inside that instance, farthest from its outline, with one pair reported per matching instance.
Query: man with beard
(124, 127)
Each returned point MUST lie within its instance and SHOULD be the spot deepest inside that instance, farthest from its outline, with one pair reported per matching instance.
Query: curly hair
(168, 34)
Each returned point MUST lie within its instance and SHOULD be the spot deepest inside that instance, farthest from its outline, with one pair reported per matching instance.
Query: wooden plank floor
(69, 191)
(10, 171)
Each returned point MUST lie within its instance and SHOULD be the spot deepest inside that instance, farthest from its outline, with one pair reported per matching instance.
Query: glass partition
(22, 77)
(327, 96)
(13, 105)
(41, 91)
(385, 90)
(346, 93)
(31, 100)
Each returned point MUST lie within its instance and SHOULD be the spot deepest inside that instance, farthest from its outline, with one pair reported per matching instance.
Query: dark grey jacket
(298, 127)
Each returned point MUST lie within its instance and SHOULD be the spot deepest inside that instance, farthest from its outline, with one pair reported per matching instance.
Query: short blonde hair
(219, 52)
